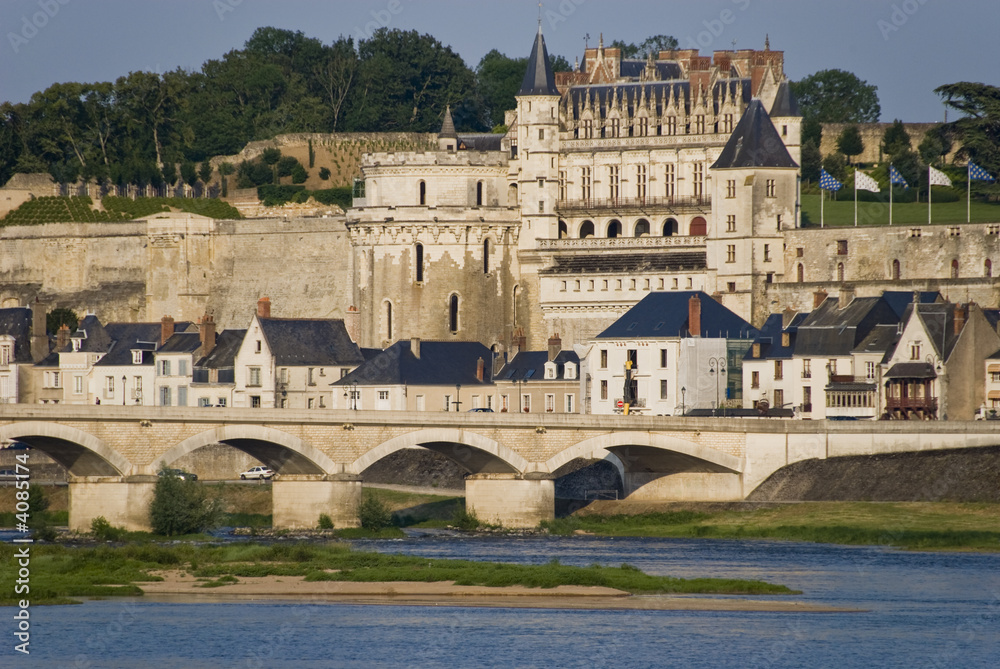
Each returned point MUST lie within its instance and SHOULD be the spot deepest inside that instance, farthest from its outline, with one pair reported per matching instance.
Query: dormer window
(76, 345)
(569, 372)
(136, 357)
(550, 370)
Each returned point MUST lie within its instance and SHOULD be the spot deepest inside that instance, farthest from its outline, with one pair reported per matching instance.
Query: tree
(834, 164)
(895, 139)
(205, 174)
(180, 506)
(812, 131)
(287, 165)
(936, 144)
(169, 173)
(651, 45)
(299, 174)
(334, 75)
(225, 169)
(812, 161)
(58, 317)
(836, 96)
(324, 173)
(189, 173)
(979, 129)
(849, 142)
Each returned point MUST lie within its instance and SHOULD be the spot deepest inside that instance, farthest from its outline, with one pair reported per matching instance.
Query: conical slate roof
(538, 79)
(448, 126)
(754, 142)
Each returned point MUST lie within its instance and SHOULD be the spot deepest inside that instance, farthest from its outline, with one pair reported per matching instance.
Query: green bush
(339, 196)
(181, 506)
(324, 173)
(325, 522)
(299, 174)
(105, 531)
(275, 196)
(374, 514)
(465, 519)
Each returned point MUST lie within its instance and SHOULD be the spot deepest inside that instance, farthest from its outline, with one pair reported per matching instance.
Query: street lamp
(458, 397)
(353, 394)
(124, 379)
(717, 367)
(683, 403)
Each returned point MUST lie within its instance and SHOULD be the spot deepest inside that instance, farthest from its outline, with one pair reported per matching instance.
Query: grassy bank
(59, 573)
(841, 213)
(908, 525)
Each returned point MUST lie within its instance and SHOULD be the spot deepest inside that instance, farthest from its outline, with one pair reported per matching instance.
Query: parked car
(481, 410)
(179, 473)
(257, 473)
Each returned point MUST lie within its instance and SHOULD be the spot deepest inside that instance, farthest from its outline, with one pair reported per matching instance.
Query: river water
(921, 610)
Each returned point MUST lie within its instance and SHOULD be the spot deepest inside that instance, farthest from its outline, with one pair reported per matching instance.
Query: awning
(911, 370)
(993, 395)
(993, 369)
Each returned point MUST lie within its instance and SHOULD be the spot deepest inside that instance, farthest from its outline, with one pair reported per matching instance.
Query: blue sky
(905, 47)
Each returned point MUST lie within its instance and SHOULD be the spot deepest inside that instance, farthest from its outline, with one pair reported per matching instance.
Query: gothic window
(731, 188)
(423, 192)
(586, 229)
(699, 124)
(486, 256)
(731, 223)
(640, 182)
(613, 182)
(562, 185)
(453, 314)
(585, 183)
(730, 252)
(801, 273)
(769, 188)
(643, 128)
(419, 262)
(670, 227)
(670, 127)
(954, 269)
(699, 180)
(840, 271)
(614, 229)
(479, 193)
(641, 227)
(669, 180)
(895, 269)
(988, 268)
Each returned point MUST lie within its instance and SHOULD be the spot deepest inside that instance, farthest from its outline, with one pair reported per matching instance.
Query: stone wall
(871, 136)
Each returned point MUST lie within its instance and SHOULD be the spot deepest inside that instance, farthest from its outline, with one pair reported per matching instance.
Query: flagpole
(928, 195)
(968, 193)
(855, 198)
(821, 198)
(890, 193)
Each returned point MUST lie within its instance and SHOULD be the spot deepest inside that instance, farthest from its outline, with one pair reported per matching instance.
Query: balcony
(911, 403)
(639, 205)
(638, 403)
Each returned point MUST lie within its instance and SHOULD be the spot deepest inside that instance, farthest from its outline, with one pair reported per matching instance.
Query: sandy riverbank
(180, 586)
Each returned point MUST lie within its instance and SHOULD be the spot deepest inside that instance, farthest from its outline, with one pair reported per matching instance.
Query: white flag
(865, 182)
(937, 177)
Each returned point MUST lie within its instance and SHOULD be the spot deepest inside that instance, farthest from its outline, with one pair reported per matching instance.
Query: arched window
(586, 229)
(988, 268)
(840, 271)
(387, 321)
(641, 227)
(512, 195)
(954, 269)
(479, 193)
(486, 256)
(895, 269)
(563, 230)
(513, 305)
(614, 229)
(423, 192)
(453, 314)
(419, 262)
(699, 227)
(670, 227)
(801, 273)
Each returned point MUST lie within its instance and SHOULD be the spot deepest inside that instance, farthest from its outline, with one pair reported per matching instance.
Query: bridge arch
(81, 453)
(651, 452)
(478, 454)
(282, 452)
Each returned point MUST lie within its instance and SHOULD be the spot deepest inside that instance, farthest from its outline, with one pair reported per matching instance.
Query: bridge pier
(683, 486)
(297, 500)
(509, 500)
(122, 500)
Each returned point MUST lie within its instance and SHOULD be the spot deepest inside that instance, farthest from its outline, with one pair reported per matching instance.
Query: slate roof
(754, 143)
(310, 342)
(487, 141)
(830, 330)
(769, 338)
(538, 77)
(530, 366)
(785, 103)
(617, 263)
(93, 336)
(448, 125)
(227, 344)
(628, 94)
(899, 300)
(16, 322)
(129, 336)
(911, 370)
(664, 314)
(882, 339)
(181, 342)
(441, 363)
(939, 323)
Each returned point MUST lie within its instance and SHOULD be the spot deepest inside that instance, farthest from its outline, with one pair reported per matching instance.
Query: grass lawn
(909, 525)
(877, 213)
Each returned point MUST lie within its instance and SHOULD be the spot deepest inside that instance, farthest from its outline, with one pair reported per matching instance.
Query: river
(920, 610)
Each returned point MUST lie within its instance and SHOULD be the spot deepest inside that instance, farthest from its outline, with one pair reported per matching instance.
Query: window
(604, 390)
(731, 253)
(53, 380)
(486, 256)
(806, 368)
(164, 396)
(632, 356)
(663, 389)
(841, 247)
(755, 379)
(699, 180)
(204, 402)
(77, 385)
(453, 314)
(257, 348)
(640, 182)
(954, 269)
(800, 252)
(447, 403)
(550, 402)
(569, 403)
(613, 182)
(562, 185)
(731, 286)
(779, 398)
(253, 377)
(915, 351)
(731, 223)
(526, 403)
(387, 320)
(309, 403)
(727, 123)
(643, 128)
(778, 370)
(310, 376)
(670, 128)
(479, 193)
(663, 358)
(541, 133)
(164, 368)
(422, 192)
(767, 253)
(769, 188)
(541, 206)
(109, 387)
(182, 396)
(255, 401)
(418, 262)
(587, 129)
(136, 357)
(221, 402)
(800, 273)
(585, 183)
(604, 358)
(136, 388)
(988, 268)
(182, 367)
(541, 182)
(614, 127)
(699, 124)
(895, 269)
(504, 403)
(731, 188)
(668, 180)
(489, 402)
(870, 370)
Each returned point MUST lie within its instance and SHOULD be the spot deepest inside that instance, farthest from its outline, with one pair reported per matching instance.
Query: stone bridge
(113, 453)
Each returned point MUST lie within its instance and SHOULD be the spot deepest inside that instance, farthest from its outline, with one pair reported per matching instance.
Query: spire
(538, 79)
(754, 143)
(447, 126)
(767, 42)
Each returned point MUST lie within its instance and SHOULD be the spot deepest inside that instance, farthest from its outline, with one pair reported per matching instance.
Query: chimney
(264, 307)
(415, 347)
(845, 297)
(959, 318)
(786, 339)
(694, 316)
(352, 321)
(480, 367)
(819, 297)
(207, 331)
(166, 329)
(555, 345)
(62, 337)
(39, 338)
(518, 342)
(756, 350)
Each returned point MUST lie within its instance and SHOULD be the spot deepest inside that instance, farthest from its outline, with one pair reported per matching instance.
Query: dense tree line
(148, 128)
